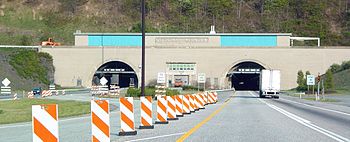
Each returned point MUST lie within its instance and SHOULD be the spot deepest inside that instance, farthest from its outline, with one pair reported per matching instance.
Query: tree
(301, 81)
(328, 82)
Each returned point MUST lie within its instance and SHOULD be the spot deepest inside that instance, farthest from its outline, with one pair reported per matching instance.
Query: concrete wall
(283, 41)
(73, 63)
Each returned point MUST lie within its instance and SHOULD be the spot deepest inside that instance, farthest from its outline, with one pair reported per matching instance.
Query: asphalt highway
(238, 116)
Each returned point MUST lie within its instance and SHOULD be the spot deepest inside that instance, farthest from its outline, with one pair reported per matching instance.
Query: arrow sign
(6, 82)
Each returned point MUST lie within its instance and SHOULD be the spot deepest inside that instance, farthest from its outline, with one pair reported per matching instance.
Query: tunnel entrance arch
(117, 73)
(245, 75)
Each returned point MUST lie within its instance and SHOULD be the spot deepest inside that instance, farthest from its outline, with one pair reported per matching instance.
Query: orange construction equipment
(50, 42)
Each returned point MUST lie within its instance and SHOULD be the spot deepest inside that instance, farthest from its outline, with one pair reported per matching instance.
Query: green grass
(322, 100)
(20, 110)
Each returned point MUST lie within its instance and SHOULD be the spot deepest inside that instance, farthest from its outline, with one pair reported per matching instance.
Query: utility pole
(143, 48)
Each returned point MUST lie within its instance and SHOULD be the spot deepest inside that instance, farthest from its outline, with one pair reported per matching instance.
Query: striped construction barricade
(46, 93)
(171, 109)
(30, 95)
(192, 107)
(215, 96)
(211, 97)
(45, 123)
(205, 95)
(201, 95)
(146, 112)
(195, 102)
(199, 101)
(179, 110)
(100, 124)
(127, 122)
(186, 104)
(162, 110)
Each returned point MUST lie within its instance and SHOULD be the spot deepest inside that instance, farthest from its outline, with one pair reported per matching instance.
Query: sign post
(201, 79)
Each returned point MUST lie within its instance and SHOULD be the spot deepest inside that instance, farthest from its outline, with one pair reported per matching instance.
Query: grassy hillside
(25, 68)
(342, 80)
(27, 22)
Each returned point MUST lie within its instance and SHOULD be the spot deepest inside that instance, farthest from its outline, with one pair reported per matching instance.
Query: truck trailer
(270, 83)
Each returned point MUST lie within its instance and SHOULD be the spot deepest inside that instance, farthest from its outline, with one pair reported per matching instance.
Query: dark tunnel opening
(245, 76)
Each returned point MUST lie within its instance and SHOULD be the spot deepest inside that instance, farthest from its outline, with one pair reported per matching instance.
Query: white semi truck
(270, 83)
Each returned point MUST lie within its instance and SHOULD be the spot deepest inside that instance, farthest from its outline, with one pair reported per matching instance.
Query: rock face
(18, 82)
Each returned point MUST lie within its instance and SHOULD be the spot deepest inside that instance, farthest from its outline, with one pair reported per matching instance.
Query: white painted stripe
(306, 123)
(36, 138)
(330, 110)
(99, 134)
(103, 115)
(156, 137)
(45, 119)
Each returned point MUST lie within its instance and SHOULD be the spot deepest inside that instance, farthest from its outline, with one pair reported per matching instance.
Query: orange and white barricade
(45, 123)
(171, 110)
(46, 93)
(186, 104)
(192, 107)
(162, 110)
(127, 122)
(211, 97)
(30, 95)
(199, 100)
(201, 95)
(205, 94)
(178, 102)
(146, 113)
(215, 97)
(196, 102)
(100, 125)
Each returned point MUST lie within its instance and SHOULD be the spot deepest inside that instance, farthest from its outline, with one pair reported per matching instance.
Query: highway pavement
(238, 116)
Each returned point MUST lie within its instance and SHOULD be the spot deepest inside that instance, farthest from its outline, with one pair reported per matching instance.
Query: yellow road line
(195, 128)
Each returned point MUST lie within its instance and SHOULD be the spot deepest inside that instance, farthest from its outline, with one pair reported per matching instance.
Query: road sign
(6, 82)
(310, 80)
(161, 77)
(201, 77)
(103, 81)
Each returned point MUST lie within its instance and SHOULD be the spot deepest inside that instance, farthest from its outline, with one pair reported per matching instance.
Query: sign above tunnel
(103, 81)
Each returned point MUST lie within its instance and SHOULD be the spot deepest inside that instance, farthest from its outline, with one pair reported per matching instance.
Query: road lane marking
(306, 123)
(331, 110)
(156, 137)
(195, 128)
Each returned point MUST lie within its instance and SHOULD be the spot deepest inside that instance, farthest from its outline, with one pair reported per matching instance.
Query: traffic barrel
(146, 113)
(186, 104)
(100, 124)
(205, 98)
(171, 111)
(196, 102)
(45, 123)
(162, 110)
(127, 122)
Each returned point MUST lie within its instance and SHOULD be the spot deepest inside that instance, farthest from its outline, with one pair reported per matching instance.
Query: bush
(1, 111)
(136, 92)
(189, 88)
(172, 92)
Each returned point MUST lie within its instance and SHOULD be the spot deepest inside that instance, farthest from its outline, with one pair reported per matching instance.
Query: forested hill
(27, 22)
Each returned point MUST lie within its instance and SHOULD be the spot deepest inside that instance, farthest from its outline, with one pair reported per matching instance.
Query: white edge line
(161, 136)
(326, 132)
(331, 110)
